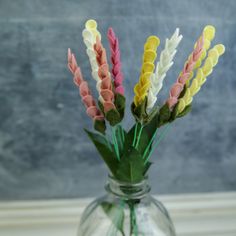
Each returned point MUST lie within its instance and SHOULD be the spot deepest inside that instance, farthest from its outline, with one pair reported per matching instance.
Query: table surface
(193, 215)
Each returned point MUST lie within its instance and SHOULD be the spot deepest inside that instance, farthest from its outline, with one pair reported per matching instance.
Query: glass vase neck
(128, 190)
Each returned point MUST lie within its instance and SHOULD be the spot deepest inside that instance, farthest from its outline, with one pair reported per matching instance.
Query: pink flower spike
(115, 60)
(85, 92)
(106, 91)
(178, 87)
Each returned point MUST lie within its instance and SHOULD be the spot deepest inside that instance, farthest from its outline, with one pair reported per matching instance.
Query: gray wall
(44, 152)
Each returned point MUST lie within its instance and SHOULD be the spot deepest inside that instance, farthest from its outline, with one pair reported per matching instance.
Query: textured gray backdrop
(44, 152)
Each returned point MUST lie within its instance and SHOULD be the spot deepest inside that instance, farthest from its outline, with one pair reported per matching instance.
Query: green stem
(123, 135)
(150, 143)
(163, 134)
(133, 220)
(115, 143)
(139, 135)
(120, 137)
(135, 133)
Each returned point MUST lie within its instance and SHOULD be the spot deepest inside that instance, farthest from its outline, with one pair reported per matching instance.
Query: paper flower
(162, 67)
(89, 36)
(105, 84)
(116, 62)
(149, 56)
(177, 88)
(84, 90)
(200, 79)
(209, 34)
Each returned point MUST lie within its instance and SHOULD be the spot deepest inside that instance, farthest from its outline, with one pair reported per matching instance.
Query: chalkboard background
(44, 152)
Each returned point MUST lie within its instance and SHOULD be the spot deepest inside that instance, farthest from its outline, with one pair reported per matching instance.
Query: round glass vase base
(125, 211)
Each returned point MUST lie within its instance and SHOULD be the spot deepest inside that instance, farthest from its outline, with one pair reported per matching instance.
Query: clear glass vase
(126, 210)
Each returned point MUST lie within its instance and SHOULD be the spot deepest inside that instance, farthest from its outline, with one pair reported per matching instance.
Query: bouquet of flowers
(127, 152)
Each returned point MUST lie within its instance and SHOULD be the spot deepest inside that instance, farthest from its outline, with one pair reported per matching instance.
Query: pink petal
(108, 106)
(92, 111)
(107, 94)
(116, 68)
(84, 89)
(120, 90)
(99, 117)
(78, 78)
(118, 79)
(176, 90)
(183, 78)
(88, 101)
(103, 71)
(171, 102)
(106, 83)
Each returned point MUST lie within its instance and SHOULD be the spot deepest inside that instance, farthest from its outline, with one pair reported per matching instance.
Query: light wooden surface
(193, 215)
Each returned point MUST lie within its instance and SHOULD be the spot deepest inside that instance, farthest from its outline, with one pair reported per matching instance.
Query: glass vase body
(126, 210)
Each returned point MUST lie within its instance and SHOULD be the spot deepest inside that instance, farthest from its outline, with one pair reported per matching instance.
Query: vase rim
(127, 190)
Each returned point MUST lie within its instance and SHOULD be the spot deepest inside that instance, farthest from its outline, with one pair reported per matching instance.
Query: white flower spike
(163, 65)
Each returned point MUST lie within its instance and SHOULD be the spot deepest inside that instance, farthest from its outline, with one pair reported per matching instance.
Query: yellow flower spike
(147, 67)
(181, 105)
(220, 48)
(213, 54)
(207, 68)
(209, 32)
(149, 56)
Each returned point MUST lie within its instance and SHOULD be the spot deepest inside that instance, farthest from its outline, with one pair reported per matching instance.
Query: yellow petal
(209, 32)
(207, 44)
(194, 88)
(213, 54)
(203, 80)
(136, 89)
(199, 75)
(187, 94)
(180, 106)
(148, 67)
(153, 40)
(188, 101)
(91, 24)
(149, 56)
(207, 68)
(220, 48)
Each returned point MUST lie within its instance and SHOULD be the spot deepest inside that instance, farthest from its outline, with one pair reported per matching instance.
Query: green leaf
(101, 107)
(100, 126)
(164, 114)
(139, 112)
(119, 131)
(113, 117)
(116, 215)
(131, 166)
(148, 165)
(103, 147)
(120, 104)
